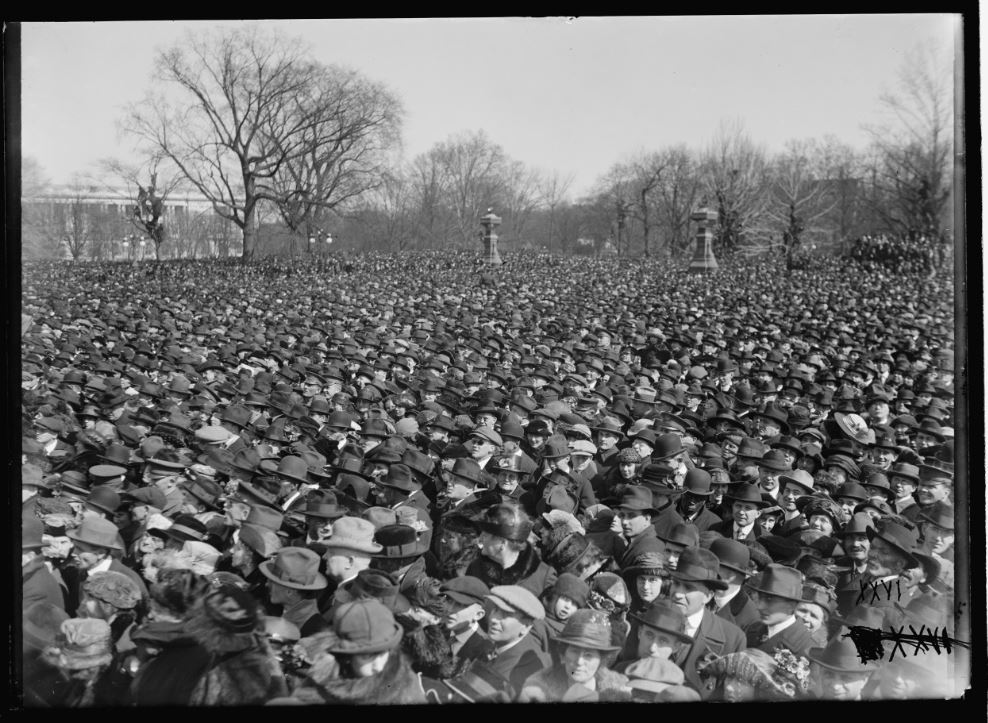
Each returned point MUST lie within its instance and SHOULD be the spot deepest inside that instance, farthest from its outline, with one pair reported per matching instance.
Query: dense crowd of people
(421, 480)
(900, 254)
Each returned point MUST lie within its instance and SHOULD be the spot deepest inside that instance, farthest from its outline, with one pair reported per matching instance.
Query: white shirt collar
(779, 627)
(744, 531)
(101, 566)
(693, 622)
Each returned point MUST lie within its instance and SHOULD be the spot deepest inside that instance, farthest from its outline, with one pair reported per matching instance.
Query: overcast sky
(574, 96)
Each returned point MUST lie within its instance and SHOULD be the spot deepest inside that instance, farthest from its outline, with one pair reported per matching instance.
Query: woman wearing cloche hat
(582, 673)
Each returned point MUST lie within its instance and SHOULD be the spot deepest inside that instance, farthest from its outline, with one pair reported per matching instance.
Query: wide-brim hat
(663, 615)
(841, 654)
(588, 629)
(97, 532)
(897, 536)
(637, 498)
(855, 427)
(699, 565)
(295, 567)
(353, 533)
(779, 580)
(799, 477)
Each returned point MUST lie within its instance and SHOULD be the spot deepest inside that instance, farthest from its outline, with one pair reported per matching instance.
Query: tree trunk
(250, 235)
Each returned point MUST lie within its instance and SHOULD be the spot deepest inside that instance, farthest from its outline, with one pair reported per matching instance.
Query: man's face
(480, 448)
(788, 497)
(633, 522)
(236, 512)
(882, 456)
(856, 545)
(278, 593)
(771, 608)
(654, 643)
(458, 488)
(767, 522)
(768, 479)
(606, 440)
(535, 441)
(690, 597)
(937, 539)
(837, 685)
(931, 491)
(88, 555)
(878, 411)
(505, 627)
(460, 617)
(902, 486)
(767, 428)
(580, 461)
(883, 559)
(745, 513)
(338, 563)
(692, 503)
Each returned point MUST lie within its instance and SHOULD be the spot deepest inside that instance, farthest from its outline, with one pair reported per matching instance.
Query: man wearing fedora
(733, 603)
(794, 484)
(350, 548)
(693, 583)
(778, 589)
(634, 515)
(746, 504)
(293, 580)
(837, 671)
(657, 633)
(95, 542)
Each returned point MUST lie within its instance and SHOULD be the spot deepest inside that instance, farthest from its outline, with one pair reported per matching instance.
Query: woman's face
(366, 665)
(811, 614)
(648, 586)
(736, 691)
(654, 643)
(564, 607)
(581, 664)
(896, 685)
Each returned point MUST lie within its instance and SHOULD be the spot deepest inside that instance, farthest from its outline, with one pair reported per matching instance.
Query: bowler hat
(698, 565)
(698, 482)
(665, 616)
(906, 470)
(779, 580)
(775, 413)
(852, 490)
(666, 446)
(97, 532)
(363, 627)
(295, 567)
(589, 629)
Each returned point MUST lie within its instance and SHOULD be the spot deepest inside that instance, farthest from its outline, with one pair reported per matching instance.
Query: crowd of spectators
(413, 478)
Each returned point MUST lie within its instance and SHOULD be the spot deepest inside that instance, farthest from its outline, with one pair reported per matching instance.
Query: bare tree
(239, 122)
(149, 184)
(552, 189)
(342, 151)
(678, 192)
(913, 146)
(735, 171)
(801, 193)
